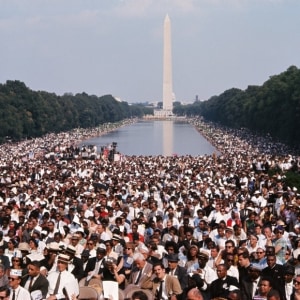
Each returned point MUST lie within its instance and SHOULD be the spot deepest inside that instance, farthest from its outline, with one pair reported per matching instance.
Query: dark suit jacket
(220, 287)
(182, 276)
(41, 283)
(246, 286)
(277, 275)
(90, 266)
(78, 268)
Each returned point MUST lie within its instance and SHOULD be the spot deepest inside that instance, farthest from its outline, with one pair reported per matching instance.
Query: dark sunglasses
(12, 279)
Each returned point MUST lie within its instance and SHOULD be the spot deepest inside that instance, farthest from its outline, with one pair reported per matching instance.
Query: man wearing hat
(62, 281)
(207, 274)
(95, 265)
(117, 247)
(85, 255)
(17, 291)
(75, 263)
(175, 270)
(75, 243)
(249, 285)
(289, 273)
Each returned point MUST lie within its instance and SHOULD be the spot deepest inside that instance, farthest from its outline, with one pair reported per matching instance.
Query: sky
(115, 47)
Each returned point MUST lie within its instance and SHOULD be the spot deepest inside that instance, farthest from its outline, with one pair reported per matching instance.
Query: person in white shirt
(17, 292)
(289, 273)
(62, 281)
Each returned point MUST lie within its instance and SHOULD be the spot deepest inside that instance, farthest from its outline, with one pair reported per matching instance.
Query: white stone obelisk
(167, 69)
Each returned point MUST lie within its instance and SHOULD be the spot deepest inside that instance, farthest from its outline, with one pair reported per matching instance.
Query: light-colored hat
(63, 258)
(203, 253)
(35, 256)
(257, 267)
(101, 248)
(16, 272)
(116, 237)
(53, 246)
(24, 247)
(75, 236)
(71, 249)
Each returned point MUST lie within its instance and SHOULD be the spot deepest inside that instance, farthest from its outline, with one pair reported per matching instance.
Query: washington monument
(167, 69)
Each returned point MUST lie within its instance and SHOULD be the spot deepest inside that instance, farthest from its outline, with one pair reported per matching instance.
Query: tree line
(273, 108)
(25, 113)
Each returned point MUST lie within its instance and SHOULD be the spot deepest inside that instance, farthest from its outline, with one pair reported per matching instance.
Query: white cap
(16, 272)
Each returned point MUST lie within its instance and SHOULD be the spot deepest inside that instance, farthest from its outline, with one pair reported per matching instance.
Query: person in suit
(75, 264)
(276, 272)
(140, 269)
(95, 265)
(289, 273)
(249, 284)
(175, 270)
(34, 280)
(163, 286)
(62, 281)
(220, 286)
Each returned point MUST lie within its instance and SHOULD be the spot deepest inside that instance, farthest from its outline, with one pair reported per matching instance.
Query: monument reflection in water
(166, 138)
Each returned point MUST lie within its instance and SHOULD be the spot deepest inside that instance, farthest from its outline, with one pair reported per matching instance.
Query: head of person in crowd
(214, 251)
(221, 271)
(173, 260)
(229, 260)
(192, 252)
(268, 232)
(273, 295)
(230, 246)
(270, 250)
(62, 262)
(4, 293)
(203, 257)
(237, 230)
(296, 284)
(110, 264)
(260, 253)
(254, 271)
(85, 255)
(2, 273)
(244, 259)
(139, 260)
(17, 260)
(159, 270)
(15, 276)
(100, 252)
(139, 295)
(34, 268)
(271, 261)
(194, 294)
(195, 280)
(289, 273)
(234, 295)
(171, 247)
(265, 286)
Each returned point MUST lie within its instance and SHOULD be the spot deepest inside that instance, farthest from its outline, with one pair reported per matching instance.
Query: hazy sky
(115, 46)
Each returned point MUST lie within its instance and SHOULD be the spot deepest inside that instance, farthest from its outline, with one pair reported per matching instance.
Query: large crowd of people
(221, 226)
